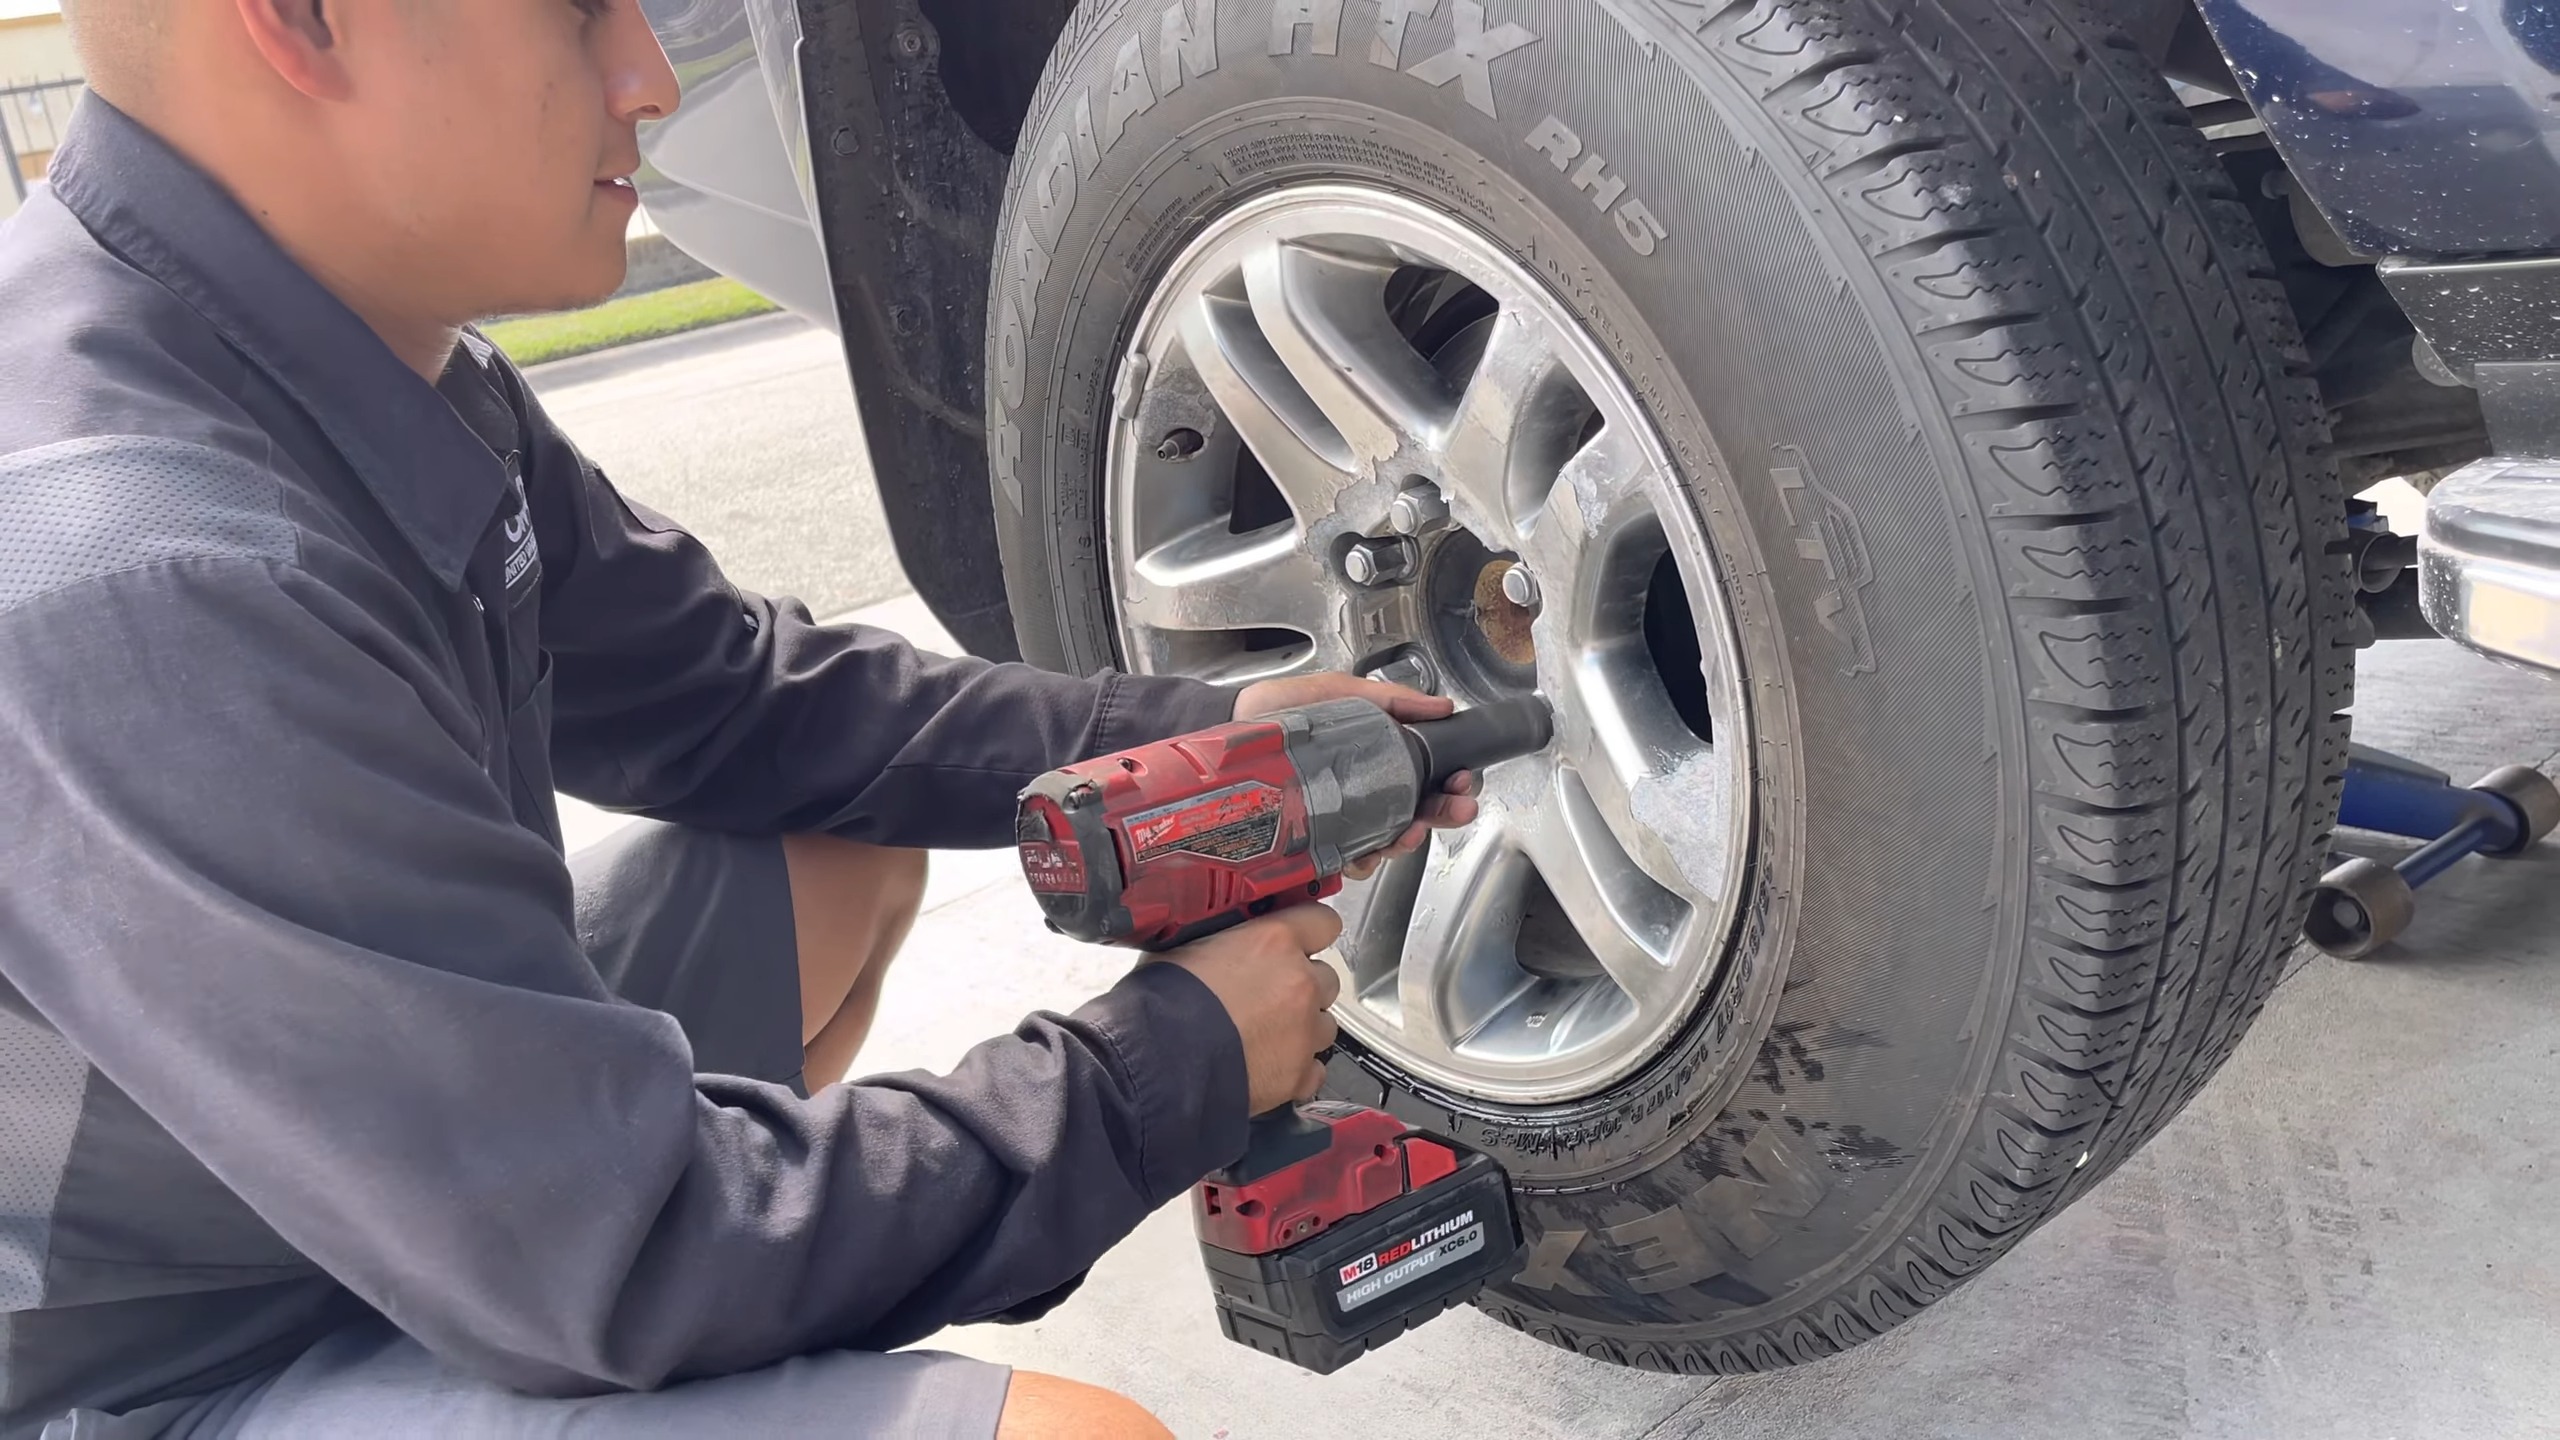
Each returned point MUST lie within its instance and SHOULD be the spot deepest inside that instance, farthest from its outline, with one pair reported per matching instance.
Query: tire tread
(2105, 363)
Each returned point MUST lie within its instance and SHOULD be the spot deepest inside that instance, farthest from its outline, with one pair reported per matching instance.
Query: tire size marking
(1636, 223)
(1702, 1235)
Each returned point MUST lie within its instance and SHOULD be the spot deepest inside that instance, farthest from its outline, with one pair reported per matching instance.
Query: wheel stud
(1374, 562)
(1418, 510)
(1179, 444)
(1520, 587)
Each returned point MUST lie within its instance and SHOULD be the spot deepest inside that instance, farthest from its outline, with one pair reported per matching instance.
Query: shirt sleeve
(258, 877)
(681, 697)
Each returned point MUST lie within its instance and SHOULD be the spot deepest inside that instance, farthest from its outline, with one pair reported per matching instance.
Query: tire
(1999, 429)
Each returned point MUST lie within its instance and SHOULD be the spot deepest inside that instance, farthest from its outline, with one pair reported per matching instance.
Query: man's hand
(1277, 994)
(1264, 696)
(1454, 806)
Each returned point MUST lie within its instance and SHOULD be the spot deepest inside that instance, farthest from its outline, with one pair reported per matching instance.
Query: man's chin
(593, 286)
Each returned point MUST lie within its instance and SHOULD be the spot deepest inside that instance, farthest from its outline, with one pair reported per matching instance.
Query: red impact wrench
(1340, 1227)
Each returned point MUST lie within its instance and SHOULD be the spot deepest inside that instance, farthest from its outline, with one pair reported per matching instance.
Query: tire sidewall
(1788, 1130)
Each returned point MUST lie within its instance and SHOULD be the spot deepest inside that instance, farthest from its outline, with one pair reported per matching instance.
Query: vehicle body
(2396, 164)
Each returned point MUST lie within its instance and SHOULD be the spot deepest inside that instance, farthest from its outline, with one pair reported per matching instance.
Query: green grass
(671, 311)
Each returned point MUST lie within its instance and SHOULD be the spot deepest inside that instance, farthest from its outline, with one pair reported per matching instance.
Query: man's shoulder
(96, 506)
(98, 347)
(122, 442)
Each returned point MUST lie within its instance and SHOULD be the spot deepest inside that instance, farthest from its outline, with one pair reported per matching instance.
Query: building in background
(39, 83)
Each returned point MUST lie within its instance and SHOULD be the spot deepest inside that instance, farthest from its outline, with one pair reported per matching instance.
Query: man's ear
(296, 39)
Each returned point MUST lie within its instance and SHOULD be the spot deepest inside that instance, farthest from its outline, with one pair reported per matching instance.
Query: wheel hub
(1351, 433)
(1478, 640)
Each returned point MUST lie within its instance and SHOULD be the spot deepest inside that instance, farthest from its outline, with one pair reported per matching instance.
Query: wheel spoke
(1598, 490)
(1208, 579)
(1299, 448)
(1631, 923)
(1325, 317)
(1681, 821)
(1511, 429)
(1657, 799)
(1376, 913)
(1592, 548)
(1460, 965)
(1230, 667)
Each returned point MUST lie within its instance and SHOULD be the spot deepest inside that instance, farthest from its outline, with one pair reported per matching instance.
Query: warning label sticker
(1051, 867)
(1240, 822)
(1399, 1265)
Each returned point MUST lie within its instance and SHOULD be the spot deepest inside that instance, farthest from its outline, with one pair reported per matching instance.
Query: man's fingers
(1410, 705)
(1455, 804)
(1396, 700)
(1264, 696)
(1309, 1084)
(1310, 927)
(1448, 812)
(1328, 990)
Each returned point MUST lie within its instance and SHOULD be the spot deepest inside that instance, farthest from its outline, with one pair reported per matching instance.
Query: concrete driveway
(2350, 1233)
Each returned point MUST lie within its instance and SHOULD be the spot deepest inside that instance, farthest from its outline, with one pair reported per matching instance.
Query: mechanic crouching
(337, 1101)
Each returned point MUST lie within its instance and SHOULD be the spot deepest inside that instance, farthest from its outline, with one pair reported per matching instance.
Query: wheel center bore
(1503, 621)
(1479, 634)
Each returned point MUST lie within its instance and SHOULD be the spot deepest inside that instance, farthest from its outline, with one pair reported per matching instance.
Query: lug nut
(1378, 562)
(1418, 510)
(1520, 587)
(1412, 670)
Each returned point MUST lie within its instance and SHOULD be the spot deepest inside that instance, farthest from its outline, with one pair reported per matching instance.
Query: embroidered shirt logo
(524, 551)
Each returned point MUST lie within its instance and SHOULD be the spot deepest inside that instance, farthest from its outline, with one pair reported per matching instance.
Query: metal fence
(32, 119)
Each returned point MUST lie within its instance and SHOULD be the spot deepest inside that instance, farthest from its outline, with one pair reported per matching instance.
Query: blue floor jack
(2362, 904)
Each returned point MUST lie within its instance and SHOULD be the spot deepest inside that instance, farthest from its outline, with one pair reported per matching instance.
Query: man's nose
(639, 83)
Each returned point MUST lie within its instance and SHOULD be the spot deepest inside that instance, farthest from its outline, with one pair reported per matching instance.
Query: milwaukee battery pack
(1369, 1230)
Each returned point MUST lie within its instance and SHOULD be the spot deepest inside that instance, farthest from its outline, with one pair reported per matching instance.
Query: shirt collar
(429, 472)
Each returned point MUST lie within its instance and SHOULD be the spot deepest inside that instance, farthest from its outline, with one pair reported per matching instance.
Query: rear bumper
(2489, 559)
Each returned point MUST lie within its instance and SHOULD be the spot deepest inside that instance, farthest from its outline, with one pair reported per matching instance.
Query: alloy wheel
(1350, 432)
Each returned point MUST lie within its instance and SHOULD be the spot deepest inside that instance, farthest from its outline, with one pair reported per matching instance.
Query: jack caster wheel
(2533, 793)
(2358, 908)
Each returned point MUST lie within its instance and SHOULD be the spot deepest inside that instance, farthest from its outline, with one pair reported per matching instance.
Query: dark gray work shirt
(293, 650)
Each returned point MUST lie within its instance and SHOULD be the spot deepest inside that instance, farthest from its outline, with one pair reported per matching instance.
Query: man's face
(494, 140)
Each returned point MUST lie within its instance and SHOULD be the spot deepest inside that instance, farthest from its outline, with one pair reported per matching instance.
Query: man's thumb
(1311, 927)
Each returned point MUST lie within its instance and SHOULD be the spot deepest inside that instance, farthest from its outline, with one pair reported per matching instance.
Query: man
(332, 1101)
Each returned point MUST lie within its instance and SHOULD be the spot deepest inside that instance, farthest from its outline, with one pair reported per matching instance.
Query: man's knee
(901, 875)
(849, 894)
(851, 907)
(1051, 1407)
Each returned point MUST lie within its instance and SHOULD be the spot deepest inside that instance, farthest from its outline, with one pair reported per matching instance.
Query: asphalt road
(745, 434)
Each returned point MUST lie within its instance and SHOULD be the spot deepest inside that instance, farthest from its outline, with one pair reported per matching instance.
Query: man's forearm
(792, 725)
